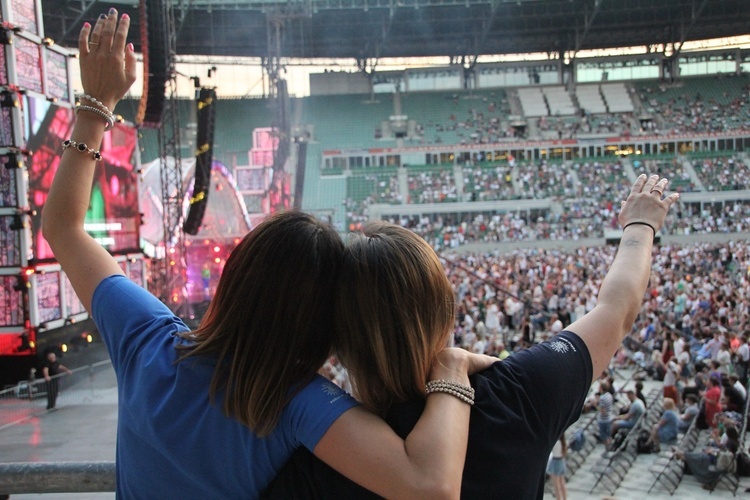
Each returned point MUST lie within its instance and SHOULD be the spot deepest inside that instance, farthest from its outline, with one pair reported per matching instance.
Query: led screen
(113, 217)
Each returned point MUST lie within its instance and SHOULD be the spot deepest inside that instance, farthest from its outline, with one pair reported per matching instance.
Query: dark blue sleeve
(551, 381)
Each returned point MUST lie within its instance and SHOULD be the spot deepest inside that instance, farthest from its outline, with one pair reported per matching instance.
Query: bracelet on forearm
(463, 392)
(108, 117)
(639, 223)
(83, 148)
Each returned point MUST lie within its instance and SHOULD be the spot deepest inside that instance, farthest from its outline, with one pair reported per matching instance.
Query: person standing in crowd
(522, 404)
(712, 401)
(50, 369)
(556, 468)
(216, 412)
(604, 413)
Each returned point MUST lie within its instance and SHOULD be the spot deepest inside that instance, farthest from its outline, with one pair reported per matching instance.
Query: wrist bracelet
(83, 148)
(108, 118)
(463, 392)
(97, 102)
(639, 223)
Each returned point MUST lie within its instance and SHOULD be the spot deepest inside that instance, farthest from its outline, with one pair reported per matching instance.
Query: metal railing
(57, 477)
(28, 398)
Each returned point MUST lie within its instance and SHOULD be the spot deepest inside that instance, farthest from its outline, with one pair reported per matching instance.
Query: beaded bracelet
(463, 392)
(110, 119)
(83, 148)
(97, 102)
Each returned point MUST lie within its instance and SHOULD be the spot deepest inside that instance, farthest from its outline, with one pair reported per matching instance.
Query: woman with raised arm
(389, 291)
(216, 412)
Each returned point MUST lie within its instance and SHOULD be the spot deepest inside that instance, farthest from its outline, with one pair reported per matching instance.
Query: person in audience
(604, 414)
(243, 388)
(556, 467)
(665, 430)
(521, 407)
(689, 413)
(628, 420)
(704, 464)
(712, 400)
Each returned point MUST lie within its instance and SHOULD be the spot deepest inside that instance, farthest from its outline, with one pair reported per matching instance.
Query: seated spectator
(705, 465)
(689, 413)
(630, 418)
(665, 430)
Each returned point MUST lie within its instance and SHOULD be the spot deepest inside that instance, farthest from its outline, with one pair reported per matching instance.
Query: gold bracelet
(83, 148)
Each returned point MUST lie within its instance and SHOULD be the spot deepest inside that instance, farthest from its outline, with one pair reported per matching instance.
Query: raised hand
(107, 63)
(646, 202)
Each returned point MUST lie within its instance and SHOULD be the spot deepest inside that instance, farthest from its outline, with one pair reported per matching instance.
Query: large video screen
(113, 217)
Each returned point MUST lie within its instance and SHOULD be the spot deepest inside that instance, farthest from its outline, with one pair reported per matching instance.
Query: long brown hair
(395, 310)
(270, 324)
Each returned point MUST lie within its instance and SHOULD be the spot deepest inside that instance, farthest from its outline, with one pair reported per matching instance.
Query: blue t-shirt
(668, 431)
(172, 442)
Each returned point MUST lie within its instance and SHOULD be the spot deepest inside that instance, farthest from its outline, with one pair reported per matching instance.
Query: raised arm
(107, 72)
(430, 462)
(621, 293)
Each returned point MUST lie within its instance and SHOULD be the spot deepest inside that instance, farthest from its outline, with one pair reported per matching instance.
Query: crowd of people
(723, 174)
(690, 111)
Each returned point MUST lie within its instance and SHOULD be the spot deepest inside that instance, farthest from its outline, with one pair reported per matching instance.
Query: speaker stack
(156, 62)
(203, 160)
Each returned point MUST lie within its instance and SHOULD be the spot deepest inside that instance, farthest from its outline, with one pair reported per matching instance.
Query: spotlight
(9, 99)
(19, 223)
(14, 160)
(48, 42)
(6, 35)
(211, 71)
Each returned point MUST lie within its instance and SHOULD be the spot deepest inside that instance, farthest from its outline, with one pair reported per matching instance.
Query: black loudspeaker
(299, 185)
(155, 44)
(203, 160)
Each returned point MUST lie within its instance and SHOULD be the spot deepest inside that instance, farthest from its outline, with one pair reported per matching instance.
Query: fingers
(121, 35)
(638, 184)
(648, 186)
(108, 30)
(83, 39)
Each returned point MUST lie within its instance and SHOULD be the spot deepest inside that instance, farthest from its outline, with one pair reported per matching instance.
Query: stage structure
(225, 222)
(37, 302)
(158, 109)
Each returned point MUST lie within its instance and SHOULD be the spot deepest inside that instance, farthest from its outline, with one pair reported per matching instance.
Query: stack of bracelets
(463, 392)
(96, 107)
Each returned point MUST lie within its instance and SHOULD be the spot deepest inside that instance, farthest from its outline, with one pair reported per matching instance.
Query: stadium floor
(86, 432)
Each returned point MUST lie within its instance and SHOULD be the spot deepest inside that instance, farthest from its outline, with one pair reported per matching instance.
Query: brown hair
(269, 325)
(395, 310)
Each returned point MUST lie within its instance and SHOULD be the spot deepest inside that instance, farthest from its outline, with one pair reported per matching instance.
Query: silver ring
(92, 43)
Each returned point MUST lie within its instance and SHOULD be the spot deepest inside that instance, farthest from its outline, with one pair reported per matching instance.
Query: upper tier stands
(532, 102)
(699, 105)
(617, 98)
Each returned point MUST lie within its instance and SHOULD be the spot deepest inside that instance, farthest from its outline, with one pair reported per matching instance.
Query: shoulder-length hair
(395, 310)
(270, 323)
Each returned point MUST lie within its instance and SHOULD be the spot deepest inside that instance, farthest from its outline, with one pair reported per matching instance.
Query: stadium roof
(370, 29)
